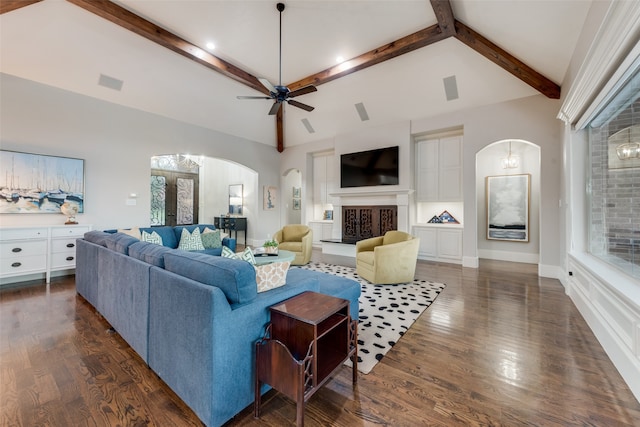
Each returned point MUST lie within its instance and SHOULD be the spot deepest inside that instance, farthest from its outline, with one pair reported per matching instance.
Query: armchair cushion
(294, 233)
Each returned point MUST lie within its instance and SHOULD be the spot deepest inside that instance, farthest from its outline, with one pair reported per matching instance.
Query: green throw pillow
(211, 239)
(190, 241)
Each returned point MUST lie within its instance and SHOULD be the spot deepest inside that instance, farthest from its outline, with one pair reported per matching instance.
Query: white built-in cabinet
(321, 231)
(439, 242)
(32, 250)
(324, 182)
(439, 169)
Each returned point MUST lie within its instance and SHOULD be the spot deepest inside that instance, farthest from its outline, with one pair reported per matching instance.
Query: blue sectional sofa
(192, 317)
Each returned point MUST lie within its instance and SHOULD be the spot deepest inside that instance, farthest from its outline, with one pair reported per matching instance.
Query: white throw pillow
(152, 237)
(190, 241)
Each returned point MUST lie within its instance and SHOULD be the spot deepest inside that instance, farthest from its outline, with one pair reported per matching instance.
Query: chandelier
(511, 161)
(628, 150)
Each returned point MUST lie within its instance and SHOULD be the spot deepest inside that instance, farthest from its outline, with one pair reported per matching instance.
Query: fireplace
(363, 222)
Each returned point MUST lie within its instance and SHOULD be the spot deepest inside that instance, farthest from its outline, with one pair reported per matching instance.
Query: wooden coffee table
(309, 338)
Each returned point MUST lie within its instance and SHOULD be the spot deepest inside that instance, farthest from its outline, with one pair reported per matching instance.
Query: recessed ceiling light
(210, 45)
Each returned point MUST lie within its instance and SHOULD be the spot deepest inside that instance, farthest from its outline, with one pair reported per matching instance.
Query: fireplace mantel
(374, 193)
(372, 197)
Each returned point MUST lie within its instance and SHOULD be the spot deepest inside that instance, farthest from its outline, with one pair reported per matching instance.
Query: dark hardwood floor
(499, 346)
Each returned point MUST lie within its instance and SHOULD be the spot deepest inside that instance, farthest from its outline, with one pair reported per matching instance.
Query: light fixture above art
(511, 161)
(628, 150)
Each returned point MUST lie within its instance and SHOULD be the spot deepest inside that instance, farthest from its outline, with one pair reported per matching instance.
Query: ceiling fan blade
(253, 97)
(302, 91)
(300, 105)
(274, 108)
(266, 83)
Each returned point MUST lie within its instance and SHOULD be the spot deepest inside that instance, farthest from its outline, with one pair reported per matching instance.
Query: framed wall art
(37, 183)
(270, 196)
(297, 191)
(296, 204)
(507, 199)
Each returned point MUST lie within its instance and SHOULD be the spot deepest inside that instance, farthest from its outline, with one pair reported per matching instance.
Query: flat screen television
(369, 168)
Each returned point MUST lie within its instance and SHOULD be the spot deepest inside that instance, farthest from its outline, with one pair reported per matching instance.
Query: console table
(308, 339)
(232, 223)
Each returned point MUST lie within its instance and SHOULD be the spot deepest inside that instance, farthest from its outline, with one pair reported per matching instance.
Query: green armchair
(298, 239)
(388, 259)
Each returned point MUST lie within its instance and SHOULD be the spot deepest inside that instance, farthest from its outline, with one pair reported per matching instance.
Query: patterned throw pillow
(246, 255)
(271, 276)
(152, 237)
(211, 238)
(190, 241)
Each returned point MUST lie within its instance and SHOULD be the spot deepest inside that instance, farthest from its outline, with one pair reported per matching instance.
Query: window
(614, 139)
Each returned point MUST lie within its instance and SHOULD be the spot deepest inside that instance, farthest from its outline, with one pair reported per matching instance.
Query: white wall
(117, 144)
(531, 119)
(489, 164)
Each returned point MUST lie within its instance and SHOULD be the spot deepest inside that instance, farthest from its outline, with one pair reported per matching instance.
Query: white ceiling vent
(450, 88)
(362, 112)
(110, 82)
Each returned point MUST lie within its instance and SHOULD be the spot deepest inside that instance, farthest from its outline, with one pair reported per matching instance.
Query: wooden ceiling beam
(132, 22)
(9, 5)
(444, 15)
(507, 61)
(383, 53)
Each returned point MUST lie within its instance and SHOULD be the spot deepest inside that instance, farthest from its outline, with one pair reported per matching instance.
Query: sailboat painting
(36, 183)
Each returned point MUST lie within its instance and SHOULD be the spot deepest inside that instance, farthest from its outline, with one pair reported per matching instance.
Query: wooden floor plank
(499, 346)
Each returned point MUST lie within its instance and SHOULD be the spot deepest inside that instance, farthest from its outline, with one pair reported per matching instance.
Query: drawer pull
(16, 250)
(69, 258)
(16, 264)
(71, 245)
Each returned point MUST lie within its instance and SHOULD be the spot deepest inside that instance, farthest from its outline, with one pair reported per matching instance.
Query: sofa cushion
(120, 243)
(152, 237)
(291, 246)
(166, 233)
(149, 252)
(190, 241)
(271, 276)
(236, 279)
(97, 237)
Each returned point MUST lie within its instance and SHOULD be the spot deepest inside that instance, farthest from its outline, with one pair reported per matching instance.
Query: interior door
(174, 198)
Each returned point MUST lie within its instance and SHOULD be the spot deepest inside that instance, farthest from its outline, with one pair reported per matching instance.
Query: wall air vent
(110, 82)
(362, 112)
(450, 88)
(307, 125)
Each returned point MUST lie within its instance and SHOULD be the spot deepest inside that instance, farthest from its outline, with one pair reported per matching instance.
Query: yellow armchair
(387, 259)
(298, 239)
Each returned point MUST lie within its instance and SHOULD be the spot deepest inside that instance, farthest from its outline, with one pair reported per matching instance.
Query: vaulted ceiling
(497, 51)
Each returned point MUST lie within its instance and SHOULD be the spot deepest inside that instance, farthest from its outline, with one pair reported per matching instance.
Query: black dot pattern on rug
(386, 312)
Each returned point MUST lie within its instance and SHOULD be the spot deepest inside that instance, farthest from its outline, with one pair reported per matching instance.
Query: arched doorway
(502, 199)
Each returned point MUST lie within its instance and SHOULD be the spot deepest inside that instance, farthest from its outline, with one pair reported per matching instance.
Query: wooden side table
(308, 339)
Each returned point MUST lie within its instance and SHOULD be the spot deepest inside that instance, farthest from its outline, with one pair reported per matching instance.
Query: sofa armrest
(368, 244)
(230, 243)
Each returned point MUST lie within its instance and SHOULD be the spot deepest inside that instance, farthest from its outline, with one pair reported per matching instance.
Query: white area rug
(386, 311)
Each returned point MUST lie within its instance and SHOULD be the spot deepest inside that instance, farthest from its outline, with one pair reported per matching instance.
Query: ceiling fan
(281, 93)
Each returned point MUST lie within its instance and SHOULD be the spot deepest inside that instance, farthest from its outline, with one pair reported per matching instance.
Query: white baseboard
(509, 256)
(551, 271)
(470, 261)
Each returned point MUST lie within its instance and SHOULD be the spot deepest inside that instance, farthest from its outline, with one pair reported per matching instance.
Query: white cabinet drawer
(63, 245)
(22, 233)
(69, 231)
(63, 260)
(22, 265)
(23, 248)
